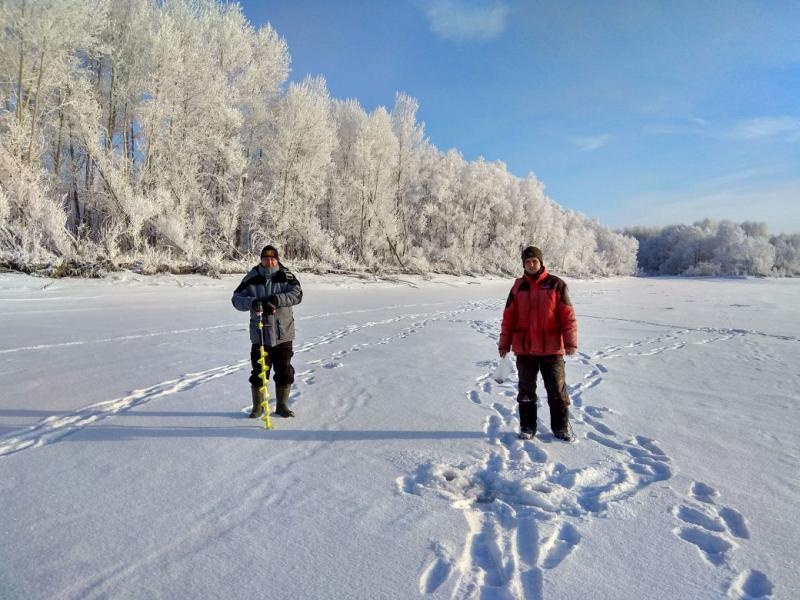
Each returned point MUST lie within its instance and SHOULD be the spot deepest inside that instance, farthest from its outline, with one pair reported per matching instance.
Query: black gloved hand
(272, 302)
(260, 305)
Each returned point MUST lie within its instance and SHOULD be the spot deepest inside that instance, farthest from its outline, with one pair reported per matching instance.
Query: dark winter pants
(279, 360)
(552, 369)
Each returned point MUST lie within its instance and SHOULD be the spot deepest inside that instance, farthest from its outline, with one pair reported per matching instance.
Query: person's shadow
(116, 433)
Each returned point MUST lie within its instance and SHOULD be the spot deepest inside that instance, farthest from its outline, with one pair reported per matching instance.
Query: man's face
(532, 264)
(269, 262)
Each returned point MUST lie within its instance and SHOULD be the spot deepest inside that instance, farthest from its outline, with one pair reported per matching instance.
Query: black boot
(259, 396)
(565, 434)
(282, 395)
(527, 417)
(559, 421)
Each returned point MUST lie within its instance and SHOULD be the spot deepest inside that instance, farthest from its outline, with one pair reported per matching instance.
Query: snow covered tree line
(716, 248)
(163, 133)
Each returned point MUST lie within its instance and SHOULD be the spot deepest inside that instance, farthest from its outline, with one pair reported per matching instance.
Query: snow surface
(128, 468)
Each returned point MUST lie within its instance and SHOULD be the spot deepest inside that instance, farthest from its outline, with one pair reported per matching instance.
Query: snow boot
(527, 417)
(565, 434)
(259, 395)
(282, 394)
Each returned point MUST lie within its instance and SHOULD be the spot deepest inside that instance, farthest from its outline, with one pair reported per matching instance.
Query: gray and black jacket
(259, 284)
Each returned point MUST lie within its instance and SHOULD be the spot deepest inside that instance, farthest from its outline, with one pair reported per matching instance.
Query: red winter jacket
(539, 318)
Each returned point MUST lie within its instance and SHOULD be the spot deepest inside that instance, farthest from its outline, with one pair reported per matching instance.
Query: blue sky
(637, 113)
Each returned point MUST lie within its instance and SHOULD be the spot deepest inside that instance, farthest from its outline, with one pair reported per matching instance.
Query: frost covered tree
(405, 170)
(42, 46)
(31, 224)
(298, 165)
(377, 216)
(163, 133)
(787, 254)
(712, 248)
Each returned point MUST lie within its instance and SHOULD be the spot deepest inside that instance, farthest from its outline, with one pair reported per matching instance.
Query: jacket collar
(261, 270)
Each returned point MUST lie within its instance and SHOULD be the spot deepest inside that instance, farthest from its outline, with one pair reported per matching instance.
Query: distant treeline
(716, 248)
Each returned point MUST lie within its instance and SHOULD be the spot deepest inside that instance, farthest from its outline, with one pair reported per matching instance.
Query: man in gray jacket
(270, 289)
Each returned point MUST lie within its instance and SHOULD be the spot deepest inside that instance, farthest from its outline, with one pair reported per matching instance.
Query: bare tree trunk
(125, 140)
(132, 143)
(286, 176)
(111, 111)
(394, 251)
(147, 163)
(78, 216)
(57, 158)
(363, 221)
(19, 73)
(36, 94)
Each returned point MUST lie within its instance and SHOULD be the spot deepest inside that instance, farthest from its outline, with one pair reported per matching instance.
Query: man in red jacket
(539, 326)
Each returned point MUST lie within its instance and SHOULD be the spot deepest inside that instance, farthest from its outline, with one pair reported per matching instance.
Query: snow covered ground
(128, 468)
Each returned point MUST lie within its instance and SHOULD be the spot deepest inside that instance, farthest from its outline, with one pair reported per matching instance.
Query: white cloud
(466, 20)
(768, 127)
(588, 143)
(757, 128)
(687, 125)
(767, 194)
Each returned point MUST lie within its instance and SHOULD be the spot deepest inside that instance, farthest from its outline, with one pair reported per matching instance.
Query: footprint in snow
(711, 527)
(733, 521)
(601, 427)
(598, 412)
(506, 413)
(437, 570)
(560, 545)
(751, 585)
(699, 517)
(702, 492)
(514, 497)
(713, 548)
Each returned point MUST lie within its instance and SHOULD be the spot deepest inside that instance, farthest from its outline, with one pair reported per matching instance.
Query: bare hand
(571, 351)
(503, 352)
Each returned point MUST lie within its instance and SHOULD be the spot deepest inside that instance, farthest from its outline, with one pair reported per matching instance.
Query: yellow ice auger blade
(262, 360)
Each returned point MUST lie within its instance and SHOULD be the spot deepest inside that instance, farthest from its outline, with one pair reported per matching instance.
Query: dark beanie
(532, 252)
(270, 252)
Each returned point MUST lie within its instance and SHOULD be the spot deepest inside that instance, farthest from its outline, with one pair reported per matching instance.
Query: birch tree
(298, 165)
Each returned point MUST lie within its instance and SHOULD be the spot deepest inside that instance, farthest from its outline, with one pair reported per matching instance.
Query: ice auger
(262, 360)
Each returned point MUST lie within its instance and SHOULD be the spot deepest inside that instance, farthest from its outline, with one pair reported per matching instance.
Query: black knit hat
(532, 252)
(270, 252)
